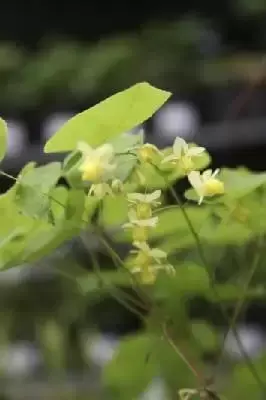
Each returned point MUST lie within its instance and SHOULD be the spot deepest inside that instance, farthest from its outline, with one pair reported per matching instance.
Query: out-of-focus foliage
(213, 248)
(185, 51)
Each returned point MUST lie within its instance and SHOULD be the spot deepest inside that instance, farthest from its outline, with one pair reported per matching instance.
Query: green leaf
(173, 221)
(129, 373)
(205, 336)
(240, 182)
(3, 138)
(90, 282)
(58, 196)
(34, 187)
(116, 115)
(189, 278)
(25, 239)
(221, 233)
(125, 163)
(11, 218)
(71, 171)
(48, 240)
(231, 293)
(243, 384)
(75, 206)
(114, 211)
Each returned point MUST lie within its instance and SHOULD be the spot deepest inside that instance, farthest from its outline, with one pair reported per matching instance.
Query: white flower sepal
(183, 154)
(134, 221)
(96, 163)
(149, 198)
(206, 184)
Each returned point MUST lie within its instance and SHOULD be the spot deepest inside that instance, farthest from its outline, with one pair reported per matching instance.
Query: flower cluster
(146, 261)
(183, 157)
(98, 167)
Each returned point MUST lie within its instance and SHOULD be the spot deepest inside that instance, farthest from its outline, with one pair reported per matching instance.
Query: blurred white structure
(20, 359)
(101, 349)
(177, 119)
(156, 391)
(16, 139)
(252, 339)
(53, 123)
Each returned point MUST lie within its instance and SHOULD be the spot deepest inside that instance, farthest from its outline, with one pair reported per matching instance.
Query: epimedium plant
(115, 190)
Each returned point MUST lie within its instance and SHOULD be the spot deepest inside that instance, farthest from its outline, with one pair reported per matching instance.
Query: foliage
(115, 197)
(65, 71)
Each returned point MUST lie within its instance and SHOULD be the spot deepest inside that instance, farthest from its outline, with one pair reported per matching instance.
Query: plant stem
(237, 311)
(181, 355)
(118, 261)
(3, 173)
(114, 290)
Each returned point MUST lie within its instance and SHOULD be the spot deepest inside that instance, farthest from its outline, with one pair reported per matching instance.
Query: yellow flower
(140, 227)
(206, 184)
(143, 203)
(96, 165)
(183, 155)
(148, 261)
(147, 152)
(100, 190)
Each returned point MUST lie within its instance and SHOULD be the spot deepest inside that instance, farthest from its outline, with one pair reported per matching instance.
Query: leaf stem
(181, 355)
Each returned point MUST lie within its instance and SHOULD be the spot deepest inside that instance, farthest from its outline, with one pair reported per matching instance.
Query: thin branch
(114, 289)
(181, 355)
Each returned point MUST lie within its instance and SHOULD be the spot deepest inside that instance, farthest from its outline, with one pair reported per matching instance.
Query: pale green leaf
(205, 336)
(189, 278)
(34, 187)
(243, 384)
(232, 293)
(116, 115)
(114, 210)
(129, 371)
(58, 197)
(240, 182)
(125, 163)
(70, 170)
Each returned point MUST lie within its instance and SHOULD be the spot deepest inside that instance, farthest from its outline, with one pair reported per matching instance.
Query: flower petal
(195, 151)
(215, 173)
(206, 175)
(153, 196)
(157, 253)
(151, 222)
(142, 246)
(136, 197)
(132, 215)
(105, 152)
(180, 146)
(171, 157)
(195, 180)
